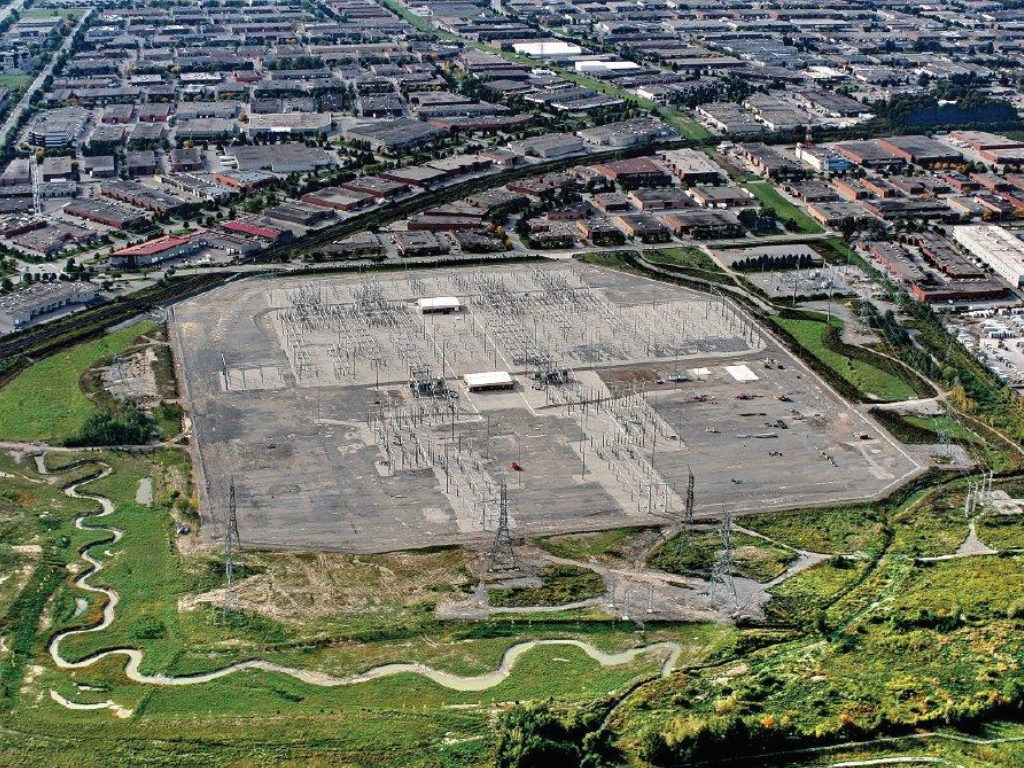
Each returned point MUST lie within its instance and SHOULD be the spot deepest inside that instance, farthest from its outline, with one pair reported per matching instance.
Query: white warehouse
(995, 246)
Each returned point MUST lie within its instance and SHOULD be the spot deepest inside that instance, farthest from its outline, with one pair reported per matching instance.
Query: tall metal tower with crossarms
(503, 557)
(232, 545)
(722, 589)
(690, 499)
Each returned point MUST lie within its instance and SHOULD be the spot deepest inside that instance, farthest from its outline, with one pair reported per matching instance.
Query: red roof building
(154, 251)
(254, 230)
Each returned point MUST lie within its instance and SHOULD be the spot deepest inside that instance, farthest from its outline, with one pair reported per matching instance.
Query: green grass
(45, 401)
(689, 260)
(1002, 531)
(852, 528)
(560, 585)
(770, 197)
(801, 597)
(584, 546)
(934, 526)
(15, 82)
(933, 648)
(45, 13)
(870, 380)
(693, 554)
(940, 424)
(918, 429)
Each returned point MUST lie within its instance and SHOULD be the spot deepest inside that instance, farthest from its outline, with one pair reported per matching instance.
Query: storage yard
(381, 414)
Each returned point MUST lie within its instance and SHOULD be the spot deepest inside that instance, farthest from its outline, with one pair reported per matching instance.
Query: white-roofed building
(439, 305)
(997, 247)
(548, 49)
(488, 382)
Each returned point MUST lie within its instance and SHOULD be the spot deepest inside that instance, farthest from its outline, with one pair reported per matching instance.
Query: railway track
(51, 337)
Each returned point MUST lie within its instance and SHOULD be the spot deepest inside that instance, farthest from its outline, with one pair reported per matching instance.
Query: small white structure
(604, 66)
(444, 305)
(741, 373)
(549, 49)
(488, 382)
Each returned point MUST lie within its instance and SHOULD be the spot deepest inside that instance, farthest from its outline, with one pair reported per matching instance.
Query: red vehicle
(516, 467)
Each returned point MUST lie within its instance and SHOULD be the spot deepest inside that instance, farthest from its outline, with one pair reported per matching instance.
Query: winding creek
(134, 657)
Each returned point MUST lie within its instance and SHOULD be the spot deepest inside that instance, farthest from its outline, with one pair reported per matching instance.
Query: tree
(532, 737)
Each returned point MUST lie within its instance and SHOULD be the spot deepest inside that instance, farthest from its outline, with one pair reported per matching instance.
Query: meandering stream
(469, 683)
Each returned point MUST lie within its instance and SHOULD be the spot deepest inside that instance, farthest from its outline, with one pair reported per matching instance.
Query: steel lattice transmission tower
(503, 557)
(722, 588)
(232, 545)
(690, 499)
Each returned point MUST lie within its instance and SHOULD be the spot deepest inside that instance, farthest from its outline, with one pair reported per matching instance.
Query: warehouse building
(106, 212)
(995, 246)
(692, 167)
(21, 309)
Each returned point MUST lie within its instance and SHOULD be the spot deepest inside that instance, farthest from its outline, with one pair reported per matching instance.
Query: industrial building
(997, 247)
(154, 252)
(21, 309)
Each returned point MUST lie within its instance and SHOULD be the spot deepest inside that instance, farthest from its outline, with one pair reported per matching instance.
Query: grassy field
(342, 614)
(693, 554)
(867, 378)
(15, 82)
(837, 530)
(45, 13)
(1002, 531)
(690, 260)
(45, 402)
(770, 197)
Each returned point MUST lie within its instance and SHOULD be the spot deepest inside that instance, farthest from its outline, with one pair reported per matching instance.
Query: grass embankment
(693, 553)
(45, 402)
(770, 197)
(598, 545)
(918, 429)
(888, 644)
(689, 260)
(865, 378)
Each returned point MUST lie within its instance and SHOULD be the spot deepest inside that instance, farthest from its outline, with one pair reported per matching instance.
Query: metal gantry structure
(544, 322)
